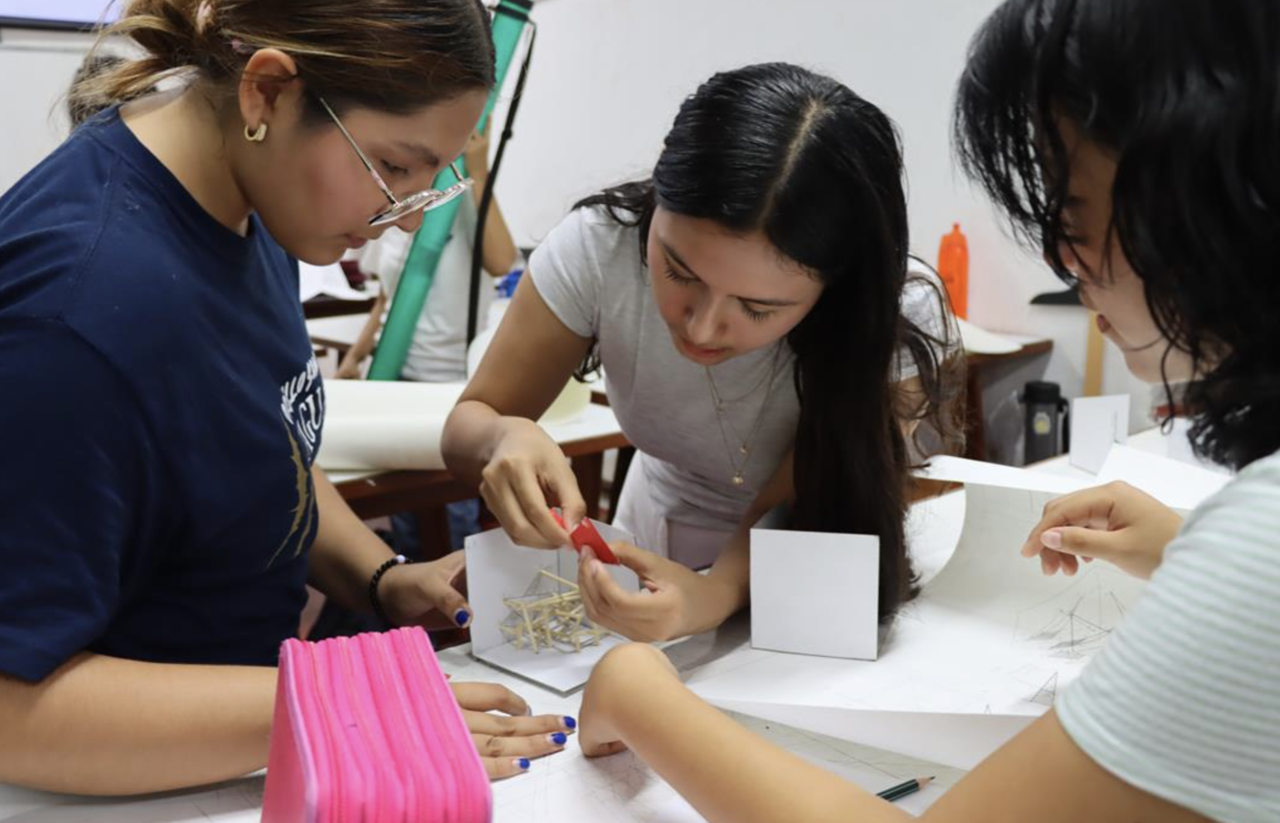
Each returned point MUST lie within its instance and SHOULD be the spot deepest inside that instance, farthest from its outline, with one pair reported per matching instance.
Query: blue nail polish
(570, 723)
(558, 738)
(462, 617)
(523, 763)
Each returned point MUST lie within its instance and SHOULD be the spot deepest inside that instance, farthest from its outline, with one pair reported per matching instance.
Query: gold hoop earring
(256, 136)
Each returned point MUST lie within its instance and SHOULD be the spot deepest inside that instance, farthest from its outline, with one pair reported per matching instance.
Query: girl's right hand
(526, 474)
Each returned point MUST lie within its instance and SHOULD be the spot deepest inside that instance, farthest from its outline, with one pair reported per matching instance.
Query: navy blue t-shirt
(160, 408)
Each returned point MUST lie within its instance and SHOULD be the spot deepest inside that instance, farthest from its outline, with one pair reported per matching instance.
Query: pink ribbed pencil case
(367, 730)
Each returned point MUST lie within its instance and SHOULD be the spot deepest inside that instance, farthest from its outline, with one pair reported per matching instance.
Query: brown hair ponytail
(391, 55)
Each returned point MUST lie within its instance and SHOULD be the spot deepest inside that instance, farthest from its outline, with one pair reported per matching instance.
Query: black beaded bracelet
(399, 559)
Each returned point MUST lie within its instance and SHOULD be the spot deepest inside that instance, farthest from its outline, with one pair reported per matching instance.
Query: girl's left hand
(677, 601)
(427, 594)
(508, 741)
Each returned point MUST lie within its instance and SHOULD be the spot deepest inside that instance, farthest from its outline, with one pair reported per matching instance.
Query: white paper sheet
(498, 569)
(950, 738)
(569, 788)
(962, 470)
(815, 593)
(986, 646)
(1179, 484)
(344, 329)
(385, 424)
(978, 340)
(1096, 424)
(329, 280)
(236, 801)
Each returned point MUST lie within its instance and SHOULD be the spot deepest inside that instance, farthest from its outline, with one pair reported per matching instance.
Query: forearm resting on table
(108, 726)
(727, 773)
(346, 552)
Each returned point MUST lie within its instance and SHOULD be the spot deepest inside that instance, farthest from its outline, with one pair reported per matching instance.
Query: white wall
(607, 78)
(36, 69)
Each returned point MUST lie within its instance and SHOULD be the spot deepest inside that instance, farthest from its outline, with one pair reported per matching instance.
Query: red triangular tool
(587, 535)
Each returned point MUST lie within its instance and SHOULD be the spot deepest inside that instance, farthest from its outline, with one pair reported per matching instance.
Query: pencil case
(367, 730)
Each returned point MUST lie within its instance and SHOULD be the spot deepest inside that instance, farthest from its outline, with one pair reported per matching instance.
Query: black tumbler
(1046, 433)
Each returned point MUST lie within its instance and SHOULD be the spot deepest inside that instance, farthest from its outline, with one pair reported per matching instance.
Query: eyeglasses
(398, 209)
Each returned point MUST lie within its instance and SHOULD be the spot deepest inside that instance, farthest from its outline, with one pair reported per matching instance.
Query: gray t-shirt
(1183, 701)
(589, 272)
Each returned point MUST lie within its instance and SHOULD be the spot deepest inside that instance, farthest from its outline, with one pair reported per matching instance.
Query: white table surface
(935, 528)
(935, 523)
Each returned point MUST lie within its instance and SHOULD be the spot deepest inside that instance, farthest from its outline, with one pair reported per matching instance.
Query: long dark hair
(1186, 94)
(798, 156)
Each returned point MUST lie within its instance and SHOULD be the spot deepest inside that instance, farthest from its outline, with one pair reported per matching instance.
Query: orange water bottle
(953, 266)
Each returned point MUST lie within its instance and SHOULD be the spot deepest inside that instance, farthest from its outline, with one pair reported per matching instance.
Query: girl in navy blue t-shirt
(160, 510)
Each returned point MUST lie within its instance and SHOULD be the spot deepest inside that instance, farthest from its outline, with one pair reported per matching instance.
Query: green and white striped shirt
(1183, 702)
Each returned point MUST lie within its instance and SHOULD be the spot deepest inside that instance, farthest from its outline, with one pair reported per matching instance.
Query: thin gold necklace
(744, 444)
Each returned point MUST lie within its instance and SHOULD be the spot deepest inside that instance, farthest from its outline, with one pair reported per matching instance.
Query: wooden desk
(425, 493)
(975, 415)
(325, 306)
(337, 331)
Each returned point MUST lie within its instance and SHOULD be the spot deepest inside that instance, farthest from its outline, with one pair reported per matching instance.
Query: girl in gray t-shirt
(765, 344)
(1137, 142)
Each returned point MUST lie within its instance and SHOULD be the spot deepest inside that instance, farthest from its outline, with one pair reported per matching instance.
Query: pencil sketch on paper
(1047, 693)
(1074, 623)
